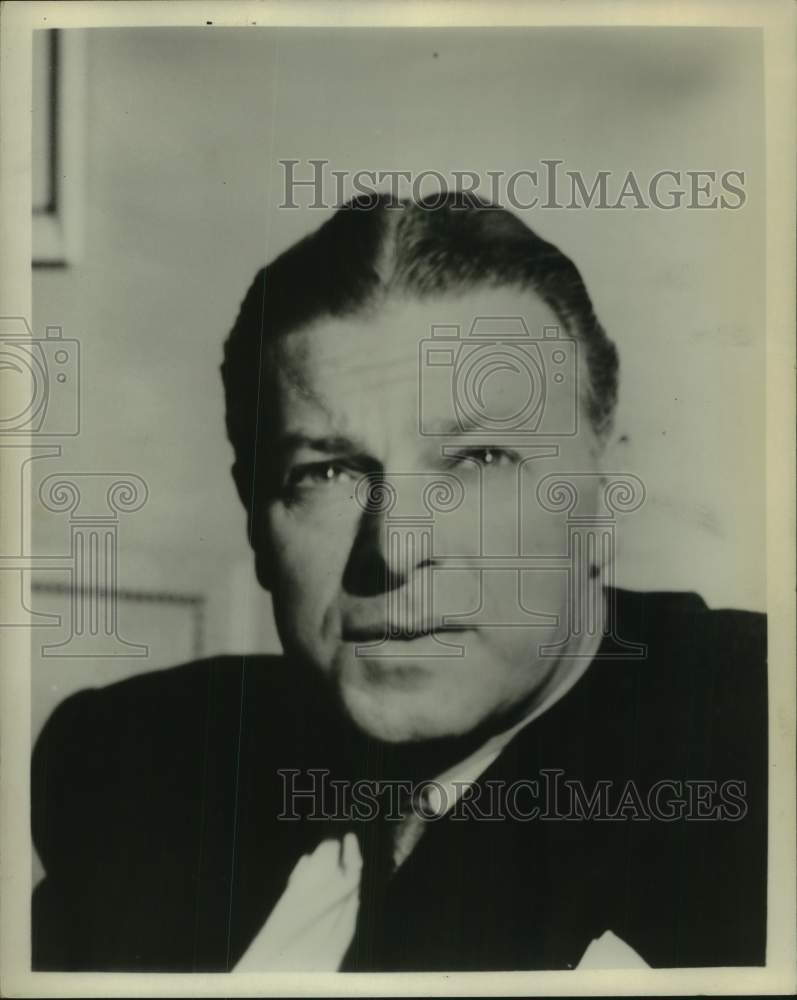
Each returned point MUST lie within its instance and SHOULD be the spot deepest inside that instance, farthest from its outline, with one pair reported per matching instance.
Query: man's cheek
(310, 563)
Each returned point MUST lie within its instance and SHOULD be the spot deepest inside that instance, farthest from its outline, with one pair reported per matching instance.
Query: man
(531, 769)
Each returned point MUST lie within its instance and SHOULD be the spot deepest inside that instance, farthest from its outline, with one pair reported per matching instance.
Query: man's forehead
(328, 384)
(350, 348)
(341, 363)
(385, 343)
(400, 363)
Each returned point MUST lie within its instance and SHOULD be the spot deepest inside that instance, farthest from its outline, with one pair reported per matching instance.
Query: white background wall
(184, 133)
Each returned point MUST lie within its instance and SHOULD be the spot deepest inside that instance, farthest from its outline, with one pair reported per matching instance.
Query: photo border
(777, 18)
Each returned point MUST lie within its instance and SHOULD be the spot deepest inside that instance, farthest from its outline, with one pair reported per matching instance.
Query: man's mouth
(401, 631)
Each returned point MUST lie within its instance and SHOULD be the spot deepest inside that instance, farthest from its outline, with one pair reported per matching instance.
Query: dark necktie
(376, 838)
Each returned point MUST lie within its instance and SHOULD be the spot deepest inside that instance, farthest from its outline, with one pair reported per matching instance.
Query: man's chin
(403, 701)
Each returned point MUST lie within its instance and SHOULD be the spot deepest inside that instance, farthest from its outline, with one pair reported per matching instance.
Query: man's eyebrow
(329, 444)
(455, 426)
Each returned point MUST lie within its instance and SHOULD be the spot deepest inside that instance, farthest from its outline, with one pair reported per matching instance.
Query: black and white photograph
(398, 498)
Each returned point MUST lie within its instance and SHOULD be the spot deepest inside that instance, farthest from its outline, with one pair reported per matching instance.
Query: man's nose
(387, 549)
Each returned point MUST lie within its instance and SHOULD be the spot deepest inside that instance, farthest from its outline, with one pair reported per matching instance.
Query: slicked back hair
(378, 246)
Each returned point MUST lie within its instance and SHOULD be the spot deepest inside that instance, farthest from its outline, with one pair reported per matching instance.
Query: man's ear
(262, 568)
(613, 458)
(242, 487)
(614, 454)
(262, 558)
(261, 549)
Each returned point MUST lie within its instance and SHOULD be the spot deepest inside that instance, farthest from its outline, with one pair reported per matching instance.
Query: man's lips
(401, 631)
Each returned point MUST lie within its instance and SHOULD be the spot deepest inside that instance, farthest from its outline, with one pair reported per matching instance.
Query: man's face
(418, 615)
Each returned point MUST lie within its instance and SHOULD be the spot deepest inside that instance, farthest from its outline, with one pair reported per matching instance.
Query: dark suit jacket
(154, 809)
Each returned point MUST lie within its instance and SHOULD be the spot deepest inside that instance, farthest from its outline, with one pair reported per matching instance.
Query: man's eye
(319, 474)
(488, 456)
